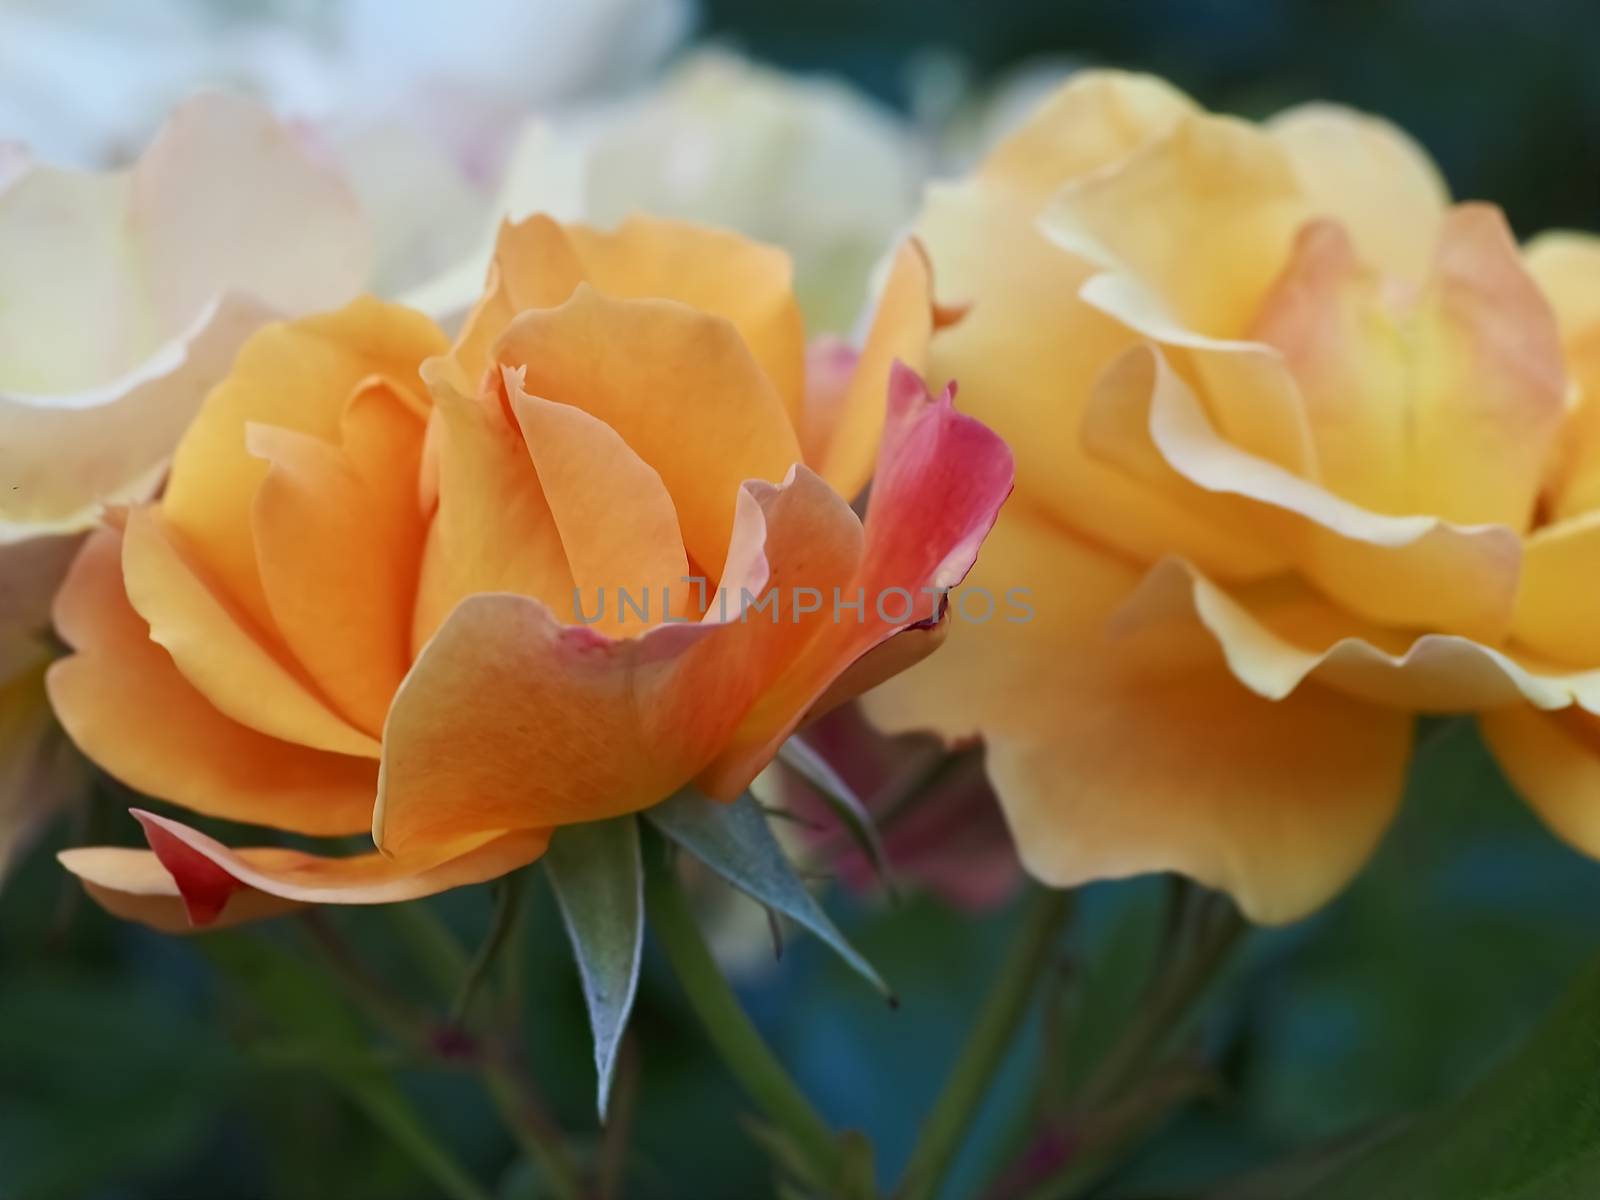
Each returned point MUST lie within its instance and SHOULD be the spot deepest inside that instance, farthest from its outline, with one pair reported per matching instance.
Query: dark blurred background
(1505, 94)
(137, 1067)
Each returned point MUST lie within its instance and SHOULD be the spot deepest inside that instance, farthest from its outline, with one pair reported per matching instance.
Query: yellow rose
(362, 600)
(1292, 467)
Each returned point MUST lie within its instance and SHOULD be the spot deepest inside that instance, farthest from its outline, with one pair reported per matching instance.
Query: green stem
(753, 1064)
(1163, 1015)
(986, 1047)
(436, 949)
(508, 894)
(538, 1139)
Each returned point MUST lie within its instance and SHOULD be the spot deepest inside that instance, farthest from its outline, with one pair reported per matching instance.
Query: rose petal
(843, 449)
(1566, 266)
(218, 886)
(493, 530)
(713, 271)
(1553, 760)
(616, 520)
(297, 375)
(1203, 215)
(1370, 177)
(235, 666)
(940, 482)
(619, 359)
(140, 287)
(1116, 756)
(1280, 638)
(1391, 569)
(509, 719)
(1095, 119)
(127, 707)
(338, 549)
(1446, 405)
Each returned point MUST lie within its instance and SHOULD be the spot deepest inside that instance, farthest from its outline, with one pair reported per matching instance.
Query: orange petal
(616, 520)
(679, 386)
(133, 885)
(297, 375)
(841, 439)
(237, 668)
(338, 557)
(713, 271)
(219, 886)
(534, 266)
(583, 727)
(940, 482)
(492, 531)
(127, 707)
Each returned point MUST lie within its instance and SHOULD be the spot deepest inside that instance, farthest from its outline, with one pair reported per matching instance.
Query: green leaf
(841, 798)
(598, 878)
(734, 841)
(1529, 1130)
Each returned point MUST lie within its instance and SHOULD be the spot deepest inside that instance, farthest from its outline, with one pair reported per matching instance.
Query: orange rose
(360, 602)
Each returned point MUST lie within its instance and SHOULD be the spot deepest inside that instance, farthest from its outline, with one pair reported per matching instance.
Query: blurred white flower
(124, 294)
(807, 164)
(87, 82)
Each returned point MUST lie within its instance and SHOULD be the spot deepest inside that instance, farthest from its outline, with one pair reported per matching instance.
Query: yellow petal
(1026, 357)
(1553, 760)
(1447, 405)
(1555, 615)
(1278, 636)
(1116, 756)
(679, 386)
(127, 707)
(1414, 571)
(1566, 266)
(1370, 177)
(1203, 215)
(1095, 119)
